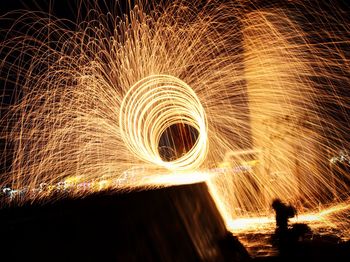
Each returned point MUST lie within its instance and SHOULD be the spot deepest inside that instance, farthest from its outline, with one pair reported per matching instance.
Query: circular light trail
(150, 107)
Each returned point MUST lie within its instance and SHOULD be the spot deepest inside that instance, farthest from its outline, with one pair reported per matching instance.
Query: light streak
(321, 222)
(254, 83)
(154, 104)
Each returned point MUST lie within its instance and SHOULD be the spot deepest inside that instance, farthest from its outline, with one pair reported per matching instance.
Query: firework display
(263, 91)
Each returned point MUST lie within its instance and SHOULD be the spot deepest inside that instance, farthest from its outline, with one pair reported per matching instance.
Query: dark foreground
(312, 248)
(170, 224)
(178, 223)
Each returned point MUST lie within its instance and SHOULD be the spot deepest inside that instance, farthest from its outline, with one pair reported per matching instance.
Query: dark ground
(178, 223)
(171, 224)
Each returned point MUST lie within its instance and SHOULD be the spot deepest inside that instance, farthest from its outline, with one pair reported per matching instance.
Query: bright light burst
(260, 85)
(150, 107)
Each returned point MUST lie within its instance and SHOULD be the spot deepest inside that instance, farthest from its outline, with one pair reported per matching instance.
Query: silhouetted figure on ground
(287, 238)
(298, 243)
(283, 213)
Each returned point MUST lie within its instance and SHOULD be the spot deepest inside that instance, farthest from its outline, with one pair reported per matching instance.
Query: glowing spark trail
(257, 94)
(150, 107)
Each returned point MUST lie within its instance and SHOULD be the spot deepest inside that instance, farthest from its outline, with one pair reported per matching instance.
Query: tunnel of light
(152, 110)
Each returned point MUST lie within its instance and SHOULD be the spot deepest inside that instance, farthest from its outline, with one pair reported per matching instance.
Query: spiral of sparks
(150, 107)
(265, 87)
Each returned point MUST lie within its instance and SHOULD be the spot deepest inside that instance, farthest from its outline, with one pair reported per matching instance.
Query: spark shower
(261, 89)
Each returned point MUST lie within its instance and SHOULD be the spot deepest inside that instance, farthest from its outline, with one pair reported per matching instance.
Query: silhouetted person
(283, 213)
